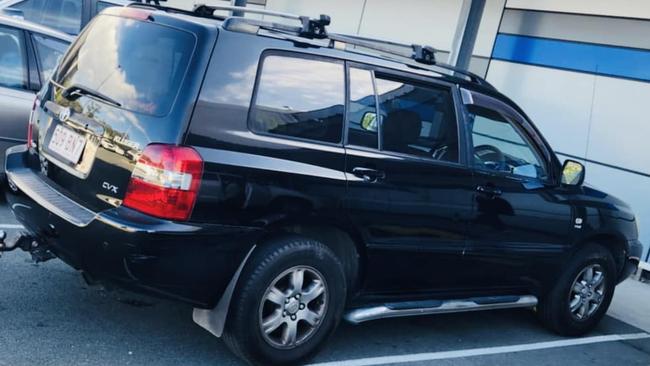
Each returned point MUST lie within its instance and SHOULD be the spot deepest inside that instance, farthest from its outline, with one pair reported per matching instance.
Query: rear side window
(299, 97)
(417, 120)
(63, 15)
(13, 68)
(49, 52)
(138, 64)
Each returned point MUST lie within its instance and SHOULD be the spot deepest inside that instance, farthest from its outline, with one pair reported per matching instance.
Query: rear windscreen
(138, 64)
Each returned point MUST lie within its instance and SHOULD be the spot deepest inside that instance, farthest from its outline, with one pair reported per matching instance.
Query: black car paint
(256, 185)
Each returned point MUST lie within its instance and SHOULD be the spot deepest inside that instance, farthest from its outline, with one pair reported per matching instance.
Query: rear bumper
(185, 261)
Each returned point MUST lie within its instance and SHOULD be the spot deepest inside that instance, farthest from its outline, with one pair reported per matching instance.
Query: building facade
(579, 68)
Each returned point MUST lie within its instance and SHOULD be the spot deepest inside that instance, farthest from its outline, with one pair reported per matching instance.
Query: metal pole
(238, 3)
(466, 31)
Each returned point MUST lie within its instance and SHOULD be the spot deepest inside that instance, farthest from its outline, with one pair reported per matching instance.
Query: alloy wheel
(293, 307)
(587, 292)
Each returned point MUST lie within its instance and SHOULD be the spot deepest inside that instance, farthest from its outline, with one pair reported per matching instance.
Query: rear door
(122, 85)
(16, 96)
(409, 191)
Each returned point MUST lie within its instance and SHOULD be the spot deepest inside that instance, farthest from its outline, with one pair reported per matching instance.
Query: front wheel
(289, 301)
(581, 297)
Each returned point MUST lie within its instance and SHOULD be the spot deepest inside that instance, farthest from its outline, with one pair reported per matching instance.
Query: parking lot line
(443, 355)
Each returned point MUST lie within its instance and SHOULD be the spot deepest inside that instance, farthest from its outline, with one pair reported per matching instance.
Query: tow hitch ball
(24, 242)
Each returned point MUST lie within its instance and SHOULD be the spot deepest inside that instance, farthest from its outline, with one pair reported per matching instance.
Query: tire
(274, 264)
(555, 309)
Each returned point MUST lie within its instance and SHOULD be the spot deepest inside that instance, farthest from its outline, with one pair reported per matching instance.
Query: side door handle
(368, 175)
(489, 191)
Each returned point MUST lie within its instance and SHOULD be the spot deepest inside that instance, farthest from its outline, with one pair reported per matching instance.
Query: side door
(521, 224)
(16, 91)
(409, 190)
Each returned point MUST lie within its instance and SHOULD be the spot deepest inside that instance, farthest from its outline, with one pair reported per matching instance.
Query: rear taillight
(30, 124)
(165, 182)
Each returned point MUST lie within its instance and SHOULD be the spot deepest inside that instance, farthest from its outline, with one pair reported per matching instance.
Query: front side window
(63, 15)
(300, 97)
(417, 120)
(13, 66)
(500, 145)
(49, 52)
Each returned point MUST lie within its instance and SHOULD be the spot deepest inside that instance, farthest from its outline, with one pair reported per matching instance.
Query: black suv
(280, 178)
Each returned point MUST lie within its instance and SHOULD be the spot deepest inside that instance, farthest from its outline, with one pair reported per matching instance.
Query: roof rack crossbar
(311, 28)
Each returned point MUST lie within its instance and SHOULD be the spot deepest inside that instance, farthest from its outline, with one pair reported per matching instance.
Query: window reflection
(13, 70)
(140, 65)
(301, 98)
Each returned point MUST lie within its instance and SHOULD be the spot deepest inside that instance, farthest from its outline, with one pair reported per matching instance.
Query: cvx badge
(109, 187)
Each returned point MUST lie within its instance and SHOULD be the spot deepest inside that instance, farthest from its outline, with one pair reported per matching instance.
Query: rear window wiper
(75, 91)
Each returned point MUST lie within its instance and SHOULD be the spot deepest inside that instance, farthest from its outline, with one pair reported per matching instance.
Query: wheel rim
(587, 292)
(293, 307)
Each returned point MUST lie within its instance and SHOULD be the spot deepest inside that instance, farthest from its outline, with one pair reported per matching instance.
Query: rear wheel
(289, 301)
(582, 295)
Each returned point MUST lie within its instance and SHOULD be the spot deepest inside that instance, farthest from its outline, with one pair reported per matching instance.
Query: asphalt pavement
(49, 316)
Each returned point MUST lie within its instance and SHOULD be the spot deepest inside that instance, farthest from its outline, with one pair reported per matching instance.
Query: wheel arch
(614, 243)
(345, 243)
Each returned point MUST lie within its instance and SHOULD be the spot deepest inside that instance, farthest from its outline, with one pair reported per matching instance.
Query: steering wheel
(491, 157)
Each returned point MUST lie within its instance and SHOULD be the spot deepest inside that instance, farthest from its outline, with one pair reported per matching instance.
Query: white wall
(620, 8)
(430, 22)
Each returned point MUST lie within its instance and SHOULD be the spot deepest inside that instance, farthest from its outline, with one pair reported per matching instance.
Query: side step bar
(427, 307)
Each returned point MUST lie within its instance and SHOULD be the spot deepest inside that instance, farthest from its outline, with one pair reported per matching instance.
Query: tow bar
(27, 243)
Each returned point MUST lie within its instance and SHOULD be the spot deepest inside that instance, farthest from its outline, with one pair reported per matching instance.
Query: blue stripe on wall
(598, 59)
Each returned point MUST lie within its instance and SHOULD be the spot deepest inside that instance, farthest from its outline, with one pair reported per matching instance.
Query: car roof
(33, 27)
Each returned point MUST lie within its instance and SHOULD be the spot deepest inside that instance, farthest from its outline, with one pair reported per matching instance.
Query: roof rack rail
(148, 5)
(421, 54)
(310, 28)
(316, 29)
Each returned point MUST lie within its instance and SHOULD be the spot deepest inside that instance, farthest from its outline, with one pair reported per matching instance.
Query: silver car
(28, 55)
(69, 16)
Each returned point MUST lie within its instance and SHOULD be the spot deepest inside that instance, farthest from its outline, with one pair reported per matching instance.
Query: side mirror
(369, 121)
(573, 173)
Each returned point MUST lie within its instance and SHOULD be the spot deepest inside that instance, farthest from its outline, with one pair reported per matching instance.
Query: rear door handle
(489, 191)
(369, 175)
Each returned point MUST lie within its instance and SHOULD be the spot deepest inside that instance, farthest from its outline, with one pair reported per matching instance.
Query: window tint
(362, 111)
(300, 97)
(13, 68)
(49, 52)
(63, 15)
(418, 120)
(138, 64)
(499, 145)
